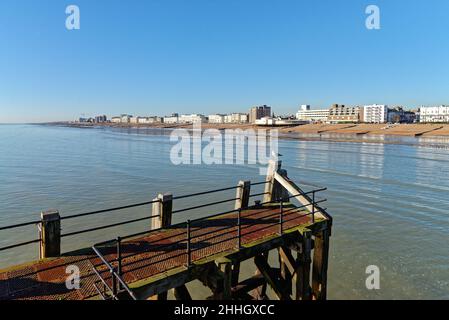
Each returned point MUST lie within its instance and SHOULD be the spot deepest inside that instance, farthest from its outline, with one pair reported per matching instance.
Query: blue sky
(205, 56)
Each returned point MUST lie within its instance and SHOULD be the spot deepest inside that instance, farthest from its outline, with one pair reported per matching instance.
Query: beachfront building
(278, 121)
(236, 118)
(374, 113)
(101, 119)
(309, 115)
(192, 118)
(343, 114)
(216, 118)
(399, 115)
(116, 119)
(434, 114)
(171, 119)
(260, 112)
(125, 118)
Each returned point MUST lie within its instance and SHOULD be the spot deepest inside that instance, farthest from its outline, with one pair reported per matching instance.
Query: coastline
(404, 130)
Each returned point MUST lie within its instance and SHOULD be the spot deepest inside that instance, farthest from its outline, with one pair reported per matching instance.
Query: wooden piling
(302, 276)
(242, 194)
(320, 264)
(50, 234)
(225, 267)
(163, 210)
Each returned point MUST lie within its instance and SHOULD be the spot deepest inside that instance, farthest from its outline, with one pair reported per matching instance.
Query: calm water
(390, 202)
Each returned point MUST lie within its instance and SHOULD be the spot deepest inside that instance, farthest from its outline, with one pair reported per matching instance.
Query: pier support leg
(303, 268)
(287, 264)
(260, 293)
(50, 234)
(320, 263)
(181, 293)
(225, 267)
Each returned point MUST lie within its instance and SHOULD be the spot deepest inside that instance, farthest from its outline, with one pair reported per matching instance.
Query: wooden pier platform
(147, 266)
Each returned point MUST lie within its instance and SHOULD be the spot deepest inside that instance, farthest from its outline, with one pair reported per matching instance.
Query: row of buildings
(375, 113)
(262, 115)
(254, 114)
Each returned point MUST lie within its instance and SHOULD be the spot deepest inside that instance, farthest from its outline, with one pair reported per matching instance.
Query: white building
(116, 119)
(317, 115)
(434, 114)
(173, 119)
(216, 118)
(125, 118)
(142, 120)
(236, 118)
(192, 118)
(375, 113)
(272, 122)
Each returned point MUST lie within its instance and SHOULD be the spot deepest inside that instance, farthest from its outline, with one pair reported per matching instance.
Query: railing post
(114, 284)
(242, 195)
(163, 209)
(313, 206)
(281, 217)
(50, 234)
(239, 229)
(119, 259)
(189, 249)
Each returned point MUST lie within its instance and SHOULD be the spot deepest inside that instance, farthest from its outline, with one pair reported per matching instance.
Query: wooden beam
(320, 265)
(181, 293)
(288, 267)
(302, 275)
(272, 277)
(304, 200)
(242, 288)
(260, 292)
(225, 267)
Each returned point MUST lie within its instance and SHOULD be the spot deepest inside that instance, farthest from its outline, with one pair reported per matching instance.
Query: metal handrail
(204, 205)
(121, 208)
(114, 275)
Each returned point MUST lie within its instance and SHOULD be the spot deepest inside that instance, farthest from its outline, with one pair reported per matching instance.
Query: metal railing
(118, 286)
(38, 223)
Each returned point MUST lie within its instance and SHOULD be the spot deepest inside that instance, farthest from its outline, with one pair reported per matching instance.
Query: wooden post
(50, 234)
(287, 264)
(273, 167)
(225, 266)
(242, 195)
(273, 189)
(303, 268)
(181, 293)
(320, 263)
(163, 209)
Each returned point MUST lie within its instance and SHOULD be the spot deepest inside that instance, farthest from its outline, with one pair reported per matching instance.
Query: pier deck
(150, 255)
